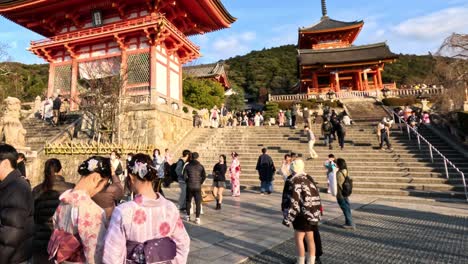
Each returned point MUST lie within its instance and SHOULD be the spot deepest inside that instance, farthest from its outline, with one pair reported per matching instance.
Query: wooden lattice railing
(94, 148)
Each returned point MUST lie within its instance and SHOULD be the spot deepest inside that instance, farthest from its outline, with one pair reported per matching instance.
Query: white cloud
(232, 45)
(248, 36)
(435, 25)
(380, 33)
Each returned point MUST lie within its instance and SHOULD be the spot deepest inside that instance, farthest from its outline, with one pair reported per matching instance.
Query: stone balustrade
(356, 94)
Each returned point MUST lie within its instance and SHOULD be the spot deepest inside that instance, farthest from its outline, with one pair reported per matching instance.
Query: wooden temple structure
(214, 71)
(144, 41)
(328, 60)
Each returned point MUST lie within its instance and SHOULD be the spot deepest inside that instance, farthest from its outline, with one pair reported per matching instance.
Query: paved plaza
(406, 231)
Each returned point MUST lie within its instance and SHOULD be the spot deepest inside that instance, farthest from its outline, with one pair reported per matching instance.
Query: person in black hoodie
(194, 175)
(219, 180)
(46, 199)
(16, 210)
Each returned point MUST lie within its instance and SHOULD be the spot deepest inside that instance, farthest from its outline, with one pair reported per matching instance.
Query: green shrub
(271, 110)
(285, 105)
(309, 104)
(463, 121)
(185, 109)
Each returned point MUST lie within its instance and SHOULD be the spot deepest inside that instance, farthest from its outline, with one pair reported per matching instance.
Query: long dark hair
(51, 168)
(224, 158)
(341, 163)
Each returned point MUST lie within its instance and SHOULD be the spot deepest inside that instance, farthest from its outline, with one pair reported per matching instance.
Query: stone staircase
(39, 131)
(366, 109)
(405, 171)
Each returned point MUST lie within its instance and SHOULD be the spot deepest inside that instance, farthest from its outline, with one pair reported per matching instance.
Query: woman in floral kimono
(149, 228)
(79, 223)
(235, 171)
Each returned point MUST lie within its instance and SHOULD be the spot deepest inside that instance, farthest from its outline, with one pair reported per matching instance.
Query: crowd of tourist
(53, 110)
(117, 213)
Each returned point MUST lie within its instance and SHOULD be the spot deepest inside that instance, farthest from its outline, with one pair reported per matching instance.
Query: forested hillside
(276, 70)
(24, 81)
(257, 73)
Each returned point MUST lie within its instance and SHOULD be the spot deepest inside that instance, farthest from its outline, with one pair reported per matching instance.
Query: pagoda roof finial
(324, 9)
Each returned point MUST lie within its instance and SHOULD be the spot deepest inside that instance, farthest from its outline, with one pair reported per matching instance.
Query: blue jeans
(346, 208)
(328, 139)
(266, 186)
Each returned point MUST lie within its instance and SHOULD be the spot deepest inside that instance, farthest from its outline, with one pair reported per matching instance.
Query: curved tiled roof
(327, 24)
(205, 70)
(378, 51)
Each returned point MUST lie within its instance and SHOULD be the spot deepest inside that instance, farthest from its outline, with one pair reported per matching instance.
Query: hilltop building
(214, 71)
(328, 60)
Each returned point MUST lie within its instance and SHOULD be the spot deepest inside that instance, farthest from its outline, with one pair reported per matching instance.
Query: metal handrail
(432, 149)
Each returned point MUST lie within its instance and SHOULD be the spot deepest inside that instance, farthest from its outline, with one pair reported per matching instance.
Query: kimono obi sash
(160, 250)
(65, 247)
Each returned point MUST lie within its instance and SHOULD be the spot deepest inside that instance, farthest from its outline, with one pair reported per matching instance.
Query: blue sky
(408, 26)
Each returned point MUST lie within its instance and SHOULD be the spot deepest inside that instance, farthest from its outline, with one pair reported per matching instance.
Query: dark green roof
(378, 51)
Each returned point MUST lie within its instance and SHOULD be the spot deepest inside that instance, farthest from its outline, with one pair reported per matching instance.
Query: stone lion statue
(11, 129)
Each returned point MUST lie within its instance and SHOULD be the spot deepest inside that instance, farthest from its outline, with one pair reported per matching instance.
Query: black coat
(22, 168)
(265, 167)
(16, 219)
(219, 172)
(45, 204)
(194, 175)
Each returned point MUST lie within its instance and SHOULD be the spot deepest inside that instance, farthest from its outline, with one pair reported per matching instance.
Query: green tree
(236, 102)
(202, 93)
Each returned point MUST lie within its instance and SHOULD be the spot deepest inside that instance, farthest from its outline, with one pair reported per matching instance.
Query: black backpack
(173, 172)
(327, 127)
(347, 188)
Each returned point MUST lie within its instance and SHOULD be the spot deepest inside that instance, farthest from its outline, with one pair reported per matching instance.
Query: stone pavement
(249, 230)
(389, 232)
(245, 227)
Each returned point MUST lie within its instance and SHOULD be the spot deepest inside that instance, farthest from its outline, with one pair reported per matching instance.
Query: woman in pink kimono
(79, 223)
(281, 118)
(235, 171)
(149, 228)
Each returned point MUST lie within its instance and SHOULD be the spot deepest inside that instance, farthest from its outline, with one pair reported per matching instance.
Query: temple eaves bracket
(121, 41)
(71, 50)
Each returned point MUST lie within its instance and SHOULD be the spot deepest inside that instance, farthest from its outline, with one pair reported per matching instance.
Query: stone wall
(157, 125)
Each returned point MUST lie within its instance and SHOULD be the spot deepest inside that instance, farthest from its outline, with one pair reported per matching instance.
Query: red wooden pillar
(181, 85)
(315, 81)
(359, 79)
(332, 81)
(50, 90)
(366, 83)
(169, 69)
(337, 80)
(374, 79)
(74, 86)
(153, 72)
(379, 78)
(124, 70)
(355, 81)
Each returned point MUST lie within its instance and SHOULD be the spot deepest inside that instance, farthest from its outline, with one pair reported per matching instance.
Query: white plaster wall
(161, 78)
(175, 85)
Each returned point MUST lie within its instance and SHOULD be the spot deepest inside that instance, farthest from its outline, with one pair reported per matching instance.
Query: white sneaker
(187, 218)
(197, 221)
